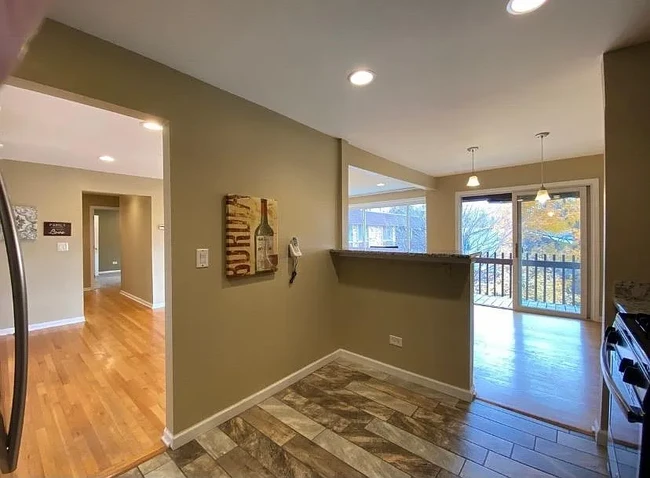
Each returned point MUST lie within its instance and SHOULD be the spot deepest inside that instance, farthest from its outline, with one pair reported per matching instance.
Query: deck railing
(547, 279)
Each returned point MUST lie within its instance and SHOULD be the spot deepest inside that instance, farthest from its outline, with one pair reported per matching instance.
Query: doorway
(105, 246)
(531, 257)
(533, 350)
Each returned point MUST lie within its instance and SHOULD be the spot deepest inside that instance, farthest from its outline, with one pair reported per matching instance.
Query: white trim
(158, 305)
(47, 325)
(189, 434)
(86, 289)
(110, 272)
(137, 299)
(595, 292)
(457, 392)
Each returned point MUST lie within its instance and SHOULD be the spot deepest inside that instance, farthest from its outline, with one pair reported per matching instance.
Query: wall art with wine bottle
(251, 235)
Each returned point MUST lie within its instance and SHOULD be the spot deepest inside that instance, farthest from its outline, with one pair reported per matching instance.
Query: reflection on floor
(544, 366)
(112, 279)
(350, 421)
(95, 397)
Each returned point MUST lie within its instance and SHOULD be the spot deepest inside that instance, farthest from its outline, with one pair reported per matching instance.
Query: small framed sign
(57, 228)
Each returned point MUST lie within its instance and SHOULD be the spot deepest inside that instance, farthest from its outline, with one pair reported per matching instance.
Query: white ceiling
(39, 128)
(450, 74)
(362, 183)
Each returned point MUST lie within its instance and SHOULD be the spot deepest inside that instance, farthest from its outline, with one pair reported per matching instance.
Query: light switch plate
(62, 247)
(202, 258)
(395, 340)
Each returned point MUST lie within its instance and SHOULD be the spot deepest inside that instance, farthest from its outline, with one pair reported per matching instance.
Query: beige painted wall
(229, 338)
(136, 233)
(55, 279)
(627, 167)
(109, 239)
(88, 200)
(428, 305)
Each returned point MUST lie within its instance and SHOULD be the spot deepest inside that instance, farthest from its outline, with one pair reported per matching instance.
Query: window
(399, 227)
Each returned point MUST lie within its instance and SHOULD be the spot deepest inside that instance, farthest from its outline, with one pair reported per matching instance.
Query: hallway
(96, 392)
(543, 366)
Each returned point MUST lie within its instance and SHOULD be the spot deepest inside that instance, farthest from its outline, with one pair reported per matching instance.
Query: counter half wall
(424, 298)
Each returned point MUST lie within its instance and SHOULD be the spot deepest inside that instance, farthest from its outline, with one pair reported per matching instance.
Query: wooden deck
(507, 303)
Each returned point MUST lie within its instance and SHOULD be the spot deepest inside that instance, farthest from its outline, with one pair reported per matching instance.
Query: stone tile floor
(346, 420)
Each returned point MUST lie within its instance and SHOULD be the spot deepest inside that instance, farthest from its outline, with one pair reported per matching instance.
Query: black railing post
(544, 281)
(554, 284)
(503, 277)
(573, 282)
(563, 280)
(535, 277)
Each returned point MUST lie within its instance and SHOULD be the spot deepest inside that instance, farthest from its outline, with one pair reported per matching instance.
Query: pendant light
(473, 181)
(542, 194)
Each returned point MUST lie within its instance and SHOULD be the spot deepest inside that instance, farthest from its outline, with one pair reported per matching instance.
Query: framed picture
(26, 218)
(251, 235)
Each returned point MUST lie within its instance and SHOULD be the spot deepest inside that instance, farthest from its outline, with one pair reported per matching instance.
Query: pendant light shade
(542, 194)
(473, 181)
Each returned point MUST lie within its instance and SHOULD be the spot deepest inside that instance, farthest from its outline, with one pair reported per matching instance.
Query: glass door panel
(551, 253)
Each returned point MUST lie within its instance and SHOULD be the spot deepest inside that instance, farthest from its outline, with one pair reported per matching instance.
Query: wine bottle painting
(251, 235)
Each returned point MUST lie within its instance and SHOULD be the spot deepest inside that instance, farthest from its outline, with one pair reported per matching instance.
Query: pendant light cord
(541, 137)
(472, 161)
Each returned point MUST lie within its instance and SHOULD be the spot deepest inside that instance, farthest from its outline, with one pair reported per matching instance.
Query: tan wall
(109, 239)
(87, 201)
(55, 279)
(135, 228)
(627, 167)
(230, 338)
(428, 305)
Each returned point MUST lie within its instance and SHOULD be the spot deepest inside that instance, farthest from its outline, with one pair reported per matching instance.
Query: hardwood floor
(348, 421)
(544, 366)
(95, 401)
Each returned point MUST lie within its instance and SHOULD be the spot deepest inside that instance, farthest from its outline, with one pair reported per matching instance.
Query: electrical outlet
(114, 263)
(395, 340)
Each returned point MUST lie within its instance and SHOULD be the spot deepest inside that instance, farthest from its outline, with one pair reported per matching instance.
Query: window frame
(421, 200)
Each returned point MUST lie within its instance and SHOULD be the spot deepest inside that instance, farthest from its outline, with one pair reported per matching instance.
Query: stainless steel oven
(626, 373)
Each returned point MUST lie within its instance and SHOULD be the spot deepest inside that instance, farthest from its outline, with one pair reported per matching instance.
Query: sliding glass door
(550, 253)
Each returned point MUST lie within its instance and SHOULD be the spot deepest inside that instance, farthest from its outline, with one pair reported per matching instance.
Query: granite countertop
(632, 297)
(452, 257)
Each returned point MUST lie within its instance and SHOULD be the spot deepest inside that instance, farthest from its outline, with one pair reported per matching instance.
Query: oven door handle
(633, 414)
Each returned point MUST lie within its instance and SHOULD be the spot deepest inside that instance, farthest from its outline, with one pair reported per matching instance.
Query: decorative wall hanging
(251, 235)
(57, 228)
(26, 218)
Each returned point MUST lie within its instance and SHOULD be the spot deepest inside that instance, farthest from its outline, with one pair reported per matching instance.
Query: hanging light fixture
(542, 194)
(473, 181)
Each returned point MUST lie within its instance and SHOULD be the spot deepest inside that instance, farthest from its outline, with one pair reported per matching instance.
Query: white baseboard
(137, 299)
(86, 289)
(462, 394)
(189, 434)
(158, 305)
(109, 272)
(47, 325)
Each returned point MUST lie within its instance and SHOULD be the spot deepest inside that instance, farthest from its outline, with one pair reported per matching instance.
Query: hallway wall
(135, 237)
(55, 279)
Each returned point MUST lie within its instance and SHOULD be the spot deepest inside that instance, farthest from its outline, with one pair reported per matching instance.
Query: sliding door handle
(11, 447)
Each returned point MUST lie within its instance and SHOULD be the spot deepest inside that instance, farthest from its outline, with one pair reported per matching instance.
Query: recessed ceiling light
(152, 126)
(108, 159)
(521, 7)
(381, 185)
(361, 77)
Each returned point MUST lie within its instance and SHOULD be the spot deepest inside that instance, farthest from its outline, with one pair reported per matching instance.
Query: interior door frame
(594, 281)
(91, 242)
(585, 290)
